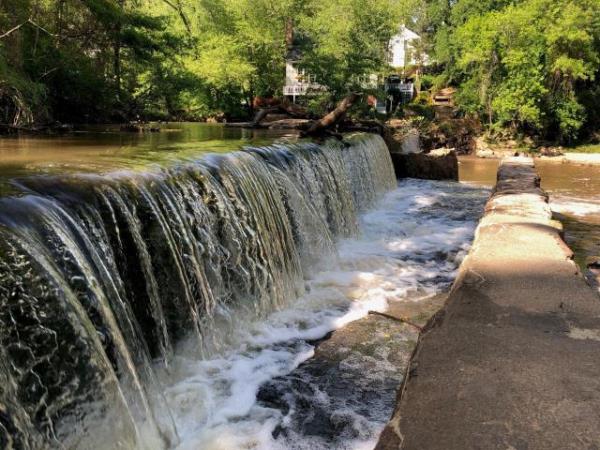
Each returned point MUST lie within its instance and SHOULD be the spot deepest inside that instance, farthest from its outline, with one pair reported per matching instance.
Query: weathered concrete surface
(439, 164)
(348, 386)
(512, 361)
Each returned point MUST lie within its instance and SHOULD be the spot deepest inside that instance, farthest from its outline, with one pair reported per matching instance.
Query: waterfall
(103, 278)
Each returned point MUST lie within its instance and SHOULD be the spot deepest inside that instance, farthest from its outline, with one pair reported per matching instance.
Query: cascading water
(105, 280)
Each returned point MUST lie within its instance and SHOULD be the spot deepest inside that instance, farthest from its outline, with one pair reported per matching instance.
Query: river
(152, 286)
(104, 148)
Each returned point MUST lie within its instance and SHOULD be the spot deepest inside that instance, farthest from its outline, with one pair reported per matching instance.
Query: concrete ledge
(512, 361)
(436, 165)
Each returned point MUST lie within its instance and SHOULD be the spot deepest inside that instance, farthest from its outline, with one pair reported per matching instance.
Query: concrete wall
(512, 361)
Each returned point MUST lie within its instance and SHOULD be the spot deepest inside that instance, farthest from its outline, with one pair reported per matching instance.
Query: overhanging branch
(27, 22)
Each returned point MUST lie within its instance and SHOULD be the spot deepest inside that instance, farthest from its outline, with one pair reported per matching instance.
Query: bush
(22, 101)
(426, 111)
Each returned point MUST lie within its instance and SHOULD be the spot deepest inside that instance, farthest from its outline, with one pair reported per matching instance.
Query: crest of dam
(105, 277)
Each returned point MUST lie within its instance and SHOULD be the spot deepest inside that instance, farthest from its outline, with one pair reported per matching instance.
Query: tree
(76, 54)
(346, 41)
(524, 65)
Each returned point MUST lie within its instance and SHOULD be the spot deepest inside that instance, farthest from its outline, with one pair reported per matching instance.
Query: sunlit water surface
(104, 148)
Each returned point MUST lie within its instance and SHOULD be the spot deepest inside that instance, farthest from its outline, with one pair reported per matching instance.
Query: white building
(297, 81)
(402, 48)
(402, 53)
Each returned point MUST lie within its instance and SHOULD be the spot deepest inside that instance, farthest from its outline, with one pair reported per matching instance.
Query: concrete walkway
(512, 361)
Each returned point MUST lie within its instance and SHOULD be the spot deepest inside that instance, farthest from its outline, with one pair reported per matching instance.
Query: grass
(588, 148)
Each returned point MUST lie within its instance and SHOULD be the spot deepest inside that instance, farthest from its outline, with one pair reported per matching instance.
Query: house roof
(406, 34)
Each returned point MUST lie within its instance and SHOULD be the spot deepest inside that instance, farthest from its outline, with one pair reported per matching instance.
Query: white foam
(574, 206)
(412, 241)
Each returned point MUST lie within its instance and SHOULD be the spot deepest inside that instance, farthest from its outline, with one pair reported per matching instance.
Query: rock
(440, 164)
(131, 128)
(138, 128)
(353, 377)
(457, 133)
(218, 118)
(62, 128)
(485, 154)
(411, 143)
(401, 137)
(592, 262)
(550, 151)
(481, 144)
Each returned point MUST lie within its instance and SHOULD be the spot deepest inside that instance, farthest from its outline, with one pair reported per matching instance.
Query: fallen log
(323, 127)
(328, 121)
(290, 124)
(261, 114)
(292, 110)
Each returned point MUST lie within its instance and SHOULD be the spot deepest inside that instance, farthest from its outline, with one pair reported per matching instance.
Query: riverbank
(572, 158)
(509, 362)
(575, 158)
(585, 154)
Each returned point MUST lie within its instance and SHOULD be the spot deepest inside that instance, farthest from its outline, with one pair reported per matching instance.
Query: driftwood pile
(285, 115)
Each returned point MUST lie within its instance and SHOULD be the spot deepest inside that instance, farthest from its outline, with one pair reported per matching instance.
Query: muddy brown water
(574, 191)
(104, 148)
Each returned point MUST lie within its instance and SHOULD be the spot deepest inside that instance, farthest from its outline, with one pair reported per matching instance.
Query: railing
(300, 88)
(399, 87)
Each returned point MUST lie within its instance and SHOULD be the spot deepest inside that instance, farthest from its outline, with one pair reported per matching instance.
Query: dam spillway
(106, 280)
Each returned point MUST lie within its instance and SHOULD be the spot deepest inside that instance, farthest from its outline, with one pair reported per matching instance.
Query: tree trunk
(117, 67)
(294, 110)
(117, 54)
(334, 116)
(261, 114)
(176, 5)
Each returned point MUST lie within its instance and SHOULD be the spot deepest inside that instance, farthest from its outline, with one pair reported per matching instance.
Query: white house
(402, 48)
(297, 81)
(402, 53)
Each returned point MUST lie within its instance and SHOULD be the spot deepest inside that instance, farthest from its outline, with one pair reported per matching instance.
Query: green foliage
(421, 110)
(84, 57)
(346, 41)
(97, 60)
(529, 65)
(585, 149)
(18, 97)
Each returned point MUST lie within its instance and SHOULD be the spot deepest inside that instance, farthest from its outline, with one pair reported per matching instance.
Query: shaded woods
(521, 67)
(119, 60)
